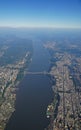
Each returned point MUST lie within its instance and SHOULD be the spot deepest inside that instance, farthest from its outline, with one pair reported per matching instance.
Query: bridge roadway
(38, 73)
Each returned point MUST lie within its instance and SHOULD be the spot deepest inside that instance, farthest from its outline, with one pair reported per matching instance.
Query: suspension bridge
(38, 73)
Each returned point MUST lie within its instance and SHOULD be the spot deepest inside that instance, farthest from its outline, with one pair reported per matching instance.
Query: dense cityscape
(40, 64)
(66, 73)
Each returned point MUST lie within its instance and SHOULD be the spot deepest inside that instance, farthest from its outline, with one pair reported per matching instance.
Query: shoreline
(9, 94)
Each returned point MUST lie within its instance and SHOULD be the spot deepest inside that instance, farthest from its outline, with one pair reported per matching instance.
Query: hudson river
(34, 95)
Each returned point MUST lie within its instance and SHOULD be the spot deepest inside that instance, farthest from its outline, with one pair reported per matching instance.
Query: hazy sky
(40, 13)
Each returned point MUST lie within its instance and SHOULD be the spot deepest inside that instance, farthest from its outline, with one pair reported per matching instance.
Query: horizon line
(38, 27)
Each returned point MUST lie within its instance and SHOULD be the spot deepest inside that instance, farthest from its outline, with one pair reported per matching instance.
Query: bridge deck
(36, 73)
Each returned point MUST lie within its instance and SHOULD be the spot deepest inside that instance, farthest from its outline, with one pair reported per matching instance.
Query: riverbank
(7, 106)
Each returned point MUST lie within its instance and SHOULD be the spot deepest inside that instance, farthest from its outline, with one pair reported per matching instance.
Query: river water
(34, 95)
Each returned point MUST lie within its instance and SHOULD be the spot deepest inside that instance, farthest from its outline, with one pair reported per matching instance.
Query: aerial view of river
(34, 95)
